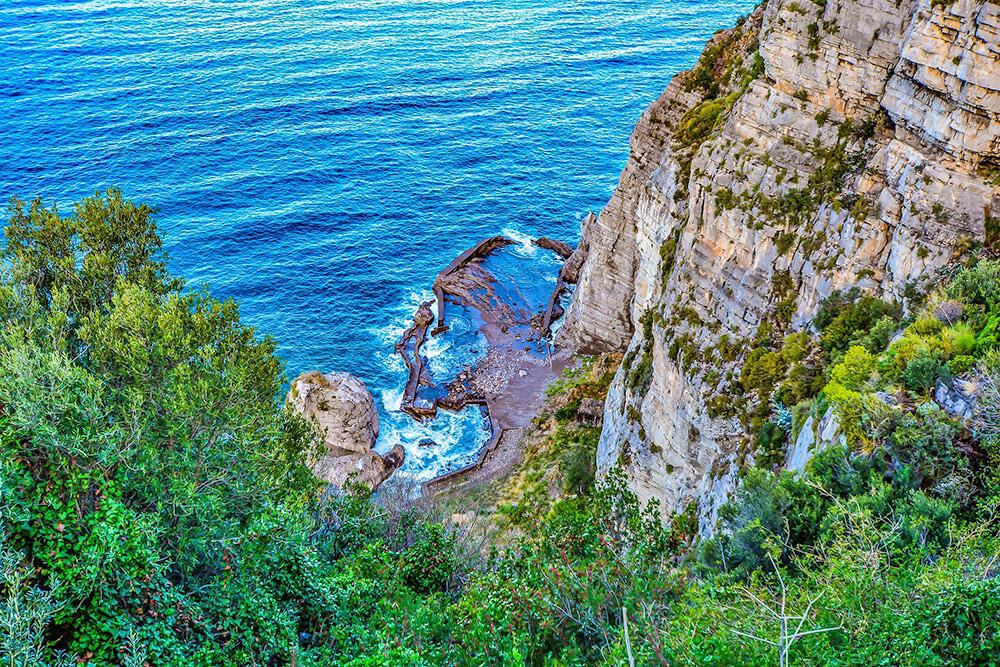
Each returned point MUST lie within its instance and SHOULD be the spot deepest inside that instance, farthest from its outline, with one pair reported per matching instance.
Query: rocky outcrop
(814, 436)
(600, 317)
(818, 146)
(344, 412)
(570, 271)
(956, 397)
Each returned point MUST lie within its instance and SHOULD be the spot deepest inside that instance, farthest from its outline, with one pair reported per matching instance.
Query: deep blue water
(321, 161)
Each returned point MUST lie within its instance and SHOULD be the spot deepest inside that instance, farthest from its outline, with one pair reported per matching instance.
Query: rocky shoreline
(513, 306)
(509, 381)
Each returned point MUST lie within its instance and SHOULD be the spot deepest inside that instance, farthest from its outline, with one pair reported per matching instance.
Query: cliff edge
(817, 146)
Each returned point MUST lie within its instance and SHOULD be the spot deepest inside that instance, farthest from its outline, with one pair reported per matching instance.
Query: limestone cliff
(817, 146)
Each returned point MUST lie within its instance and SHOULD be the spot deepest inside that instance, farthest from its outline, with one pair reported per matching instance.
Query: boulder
(370, 469)
(341, 406)
(957, 398)
(344, 411)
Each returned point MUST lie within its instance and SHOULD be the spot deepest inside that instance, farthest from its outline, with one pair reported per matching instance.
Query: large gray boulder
(342, 407)
(344, 412)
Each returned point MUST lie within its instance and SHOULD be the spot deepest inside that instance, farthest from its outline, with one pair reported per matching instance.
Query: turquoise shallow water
(322, 161)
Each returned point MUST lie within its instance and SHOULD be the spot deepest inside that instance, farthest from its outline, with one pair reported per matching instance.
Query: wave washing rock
(817, 146)
(344, 411)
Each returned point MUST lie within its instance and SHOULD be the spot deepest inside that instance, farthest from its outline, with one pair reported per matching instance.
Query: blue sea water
(321, 161)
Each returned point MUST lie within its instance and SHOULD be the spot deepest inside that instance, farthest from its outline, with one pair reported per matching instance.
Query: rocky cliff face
(817, 146)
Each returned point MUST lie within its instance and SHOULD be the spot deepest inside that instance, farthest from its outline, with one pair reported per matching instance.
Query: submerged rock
(344, 411)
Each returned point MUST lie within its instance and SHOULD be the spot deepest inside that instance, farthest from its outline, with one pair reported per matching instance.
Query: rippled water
(322, 161)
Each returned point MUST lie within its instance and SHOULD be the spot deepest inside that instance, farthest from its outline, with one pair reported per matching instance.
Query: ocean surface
(320, 162)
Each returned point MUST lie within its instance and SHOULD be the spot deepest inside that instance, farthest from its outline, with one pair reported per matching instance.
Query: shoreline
(509, 381)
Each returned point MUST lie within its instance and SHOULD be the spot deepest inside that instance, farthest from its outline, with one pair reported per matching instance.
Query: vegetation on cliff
(156, 511)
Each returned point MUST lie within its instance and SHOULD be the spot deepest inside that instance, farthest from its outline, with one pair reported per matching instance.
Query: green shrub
(844, 316)
(989, 338)
(876, 339)
(925, 326)
(959, 623)
(979, 284)
(910, 347)
(668, 255)
(762, 371)
(796, 347)
(771, 442)
(802, 382)
(849, 406)
(961, 364)
(579, 461)
(700, 121)
(641, 375)
(855, 369)
(960, 339)
(924, 372)
(429, 563)
(926, 441)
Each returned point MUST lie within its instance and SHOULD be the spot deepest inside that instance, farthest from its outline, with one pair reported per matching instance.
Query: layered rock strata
(817, 146)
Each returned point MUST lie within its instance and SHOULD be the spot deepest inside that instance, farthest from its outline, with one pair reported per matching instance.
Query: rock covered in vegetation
(818, 146)
(344, 412)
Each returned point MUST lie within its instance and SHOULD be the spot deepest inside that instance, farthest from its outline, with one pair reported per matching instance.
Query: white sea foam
(402, 318)
(525, 247)
(458, 437)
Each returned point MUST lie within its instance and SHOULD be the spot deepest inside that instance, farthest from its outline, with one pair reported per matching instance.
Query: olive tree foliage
(84, 255)
(140, 428)
(25, 610)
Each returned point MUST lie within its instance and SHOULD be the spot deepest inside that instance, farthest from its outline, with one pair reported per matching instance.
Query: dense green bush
(923, 372)
(845, 316)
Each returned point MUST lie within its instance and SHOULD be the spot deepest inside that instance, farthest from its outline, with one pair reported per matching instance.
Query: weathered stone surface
(369, 469)
(570, 271)
(602, 321)
(814, 437)
(344, 412)
(945, 88)
(919, 86)
(562, 249)
(957, 398)
(341, 406)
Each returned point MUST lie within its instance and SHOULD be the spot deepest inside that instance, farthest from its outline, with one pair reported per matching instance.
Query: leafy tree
(142, 434)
